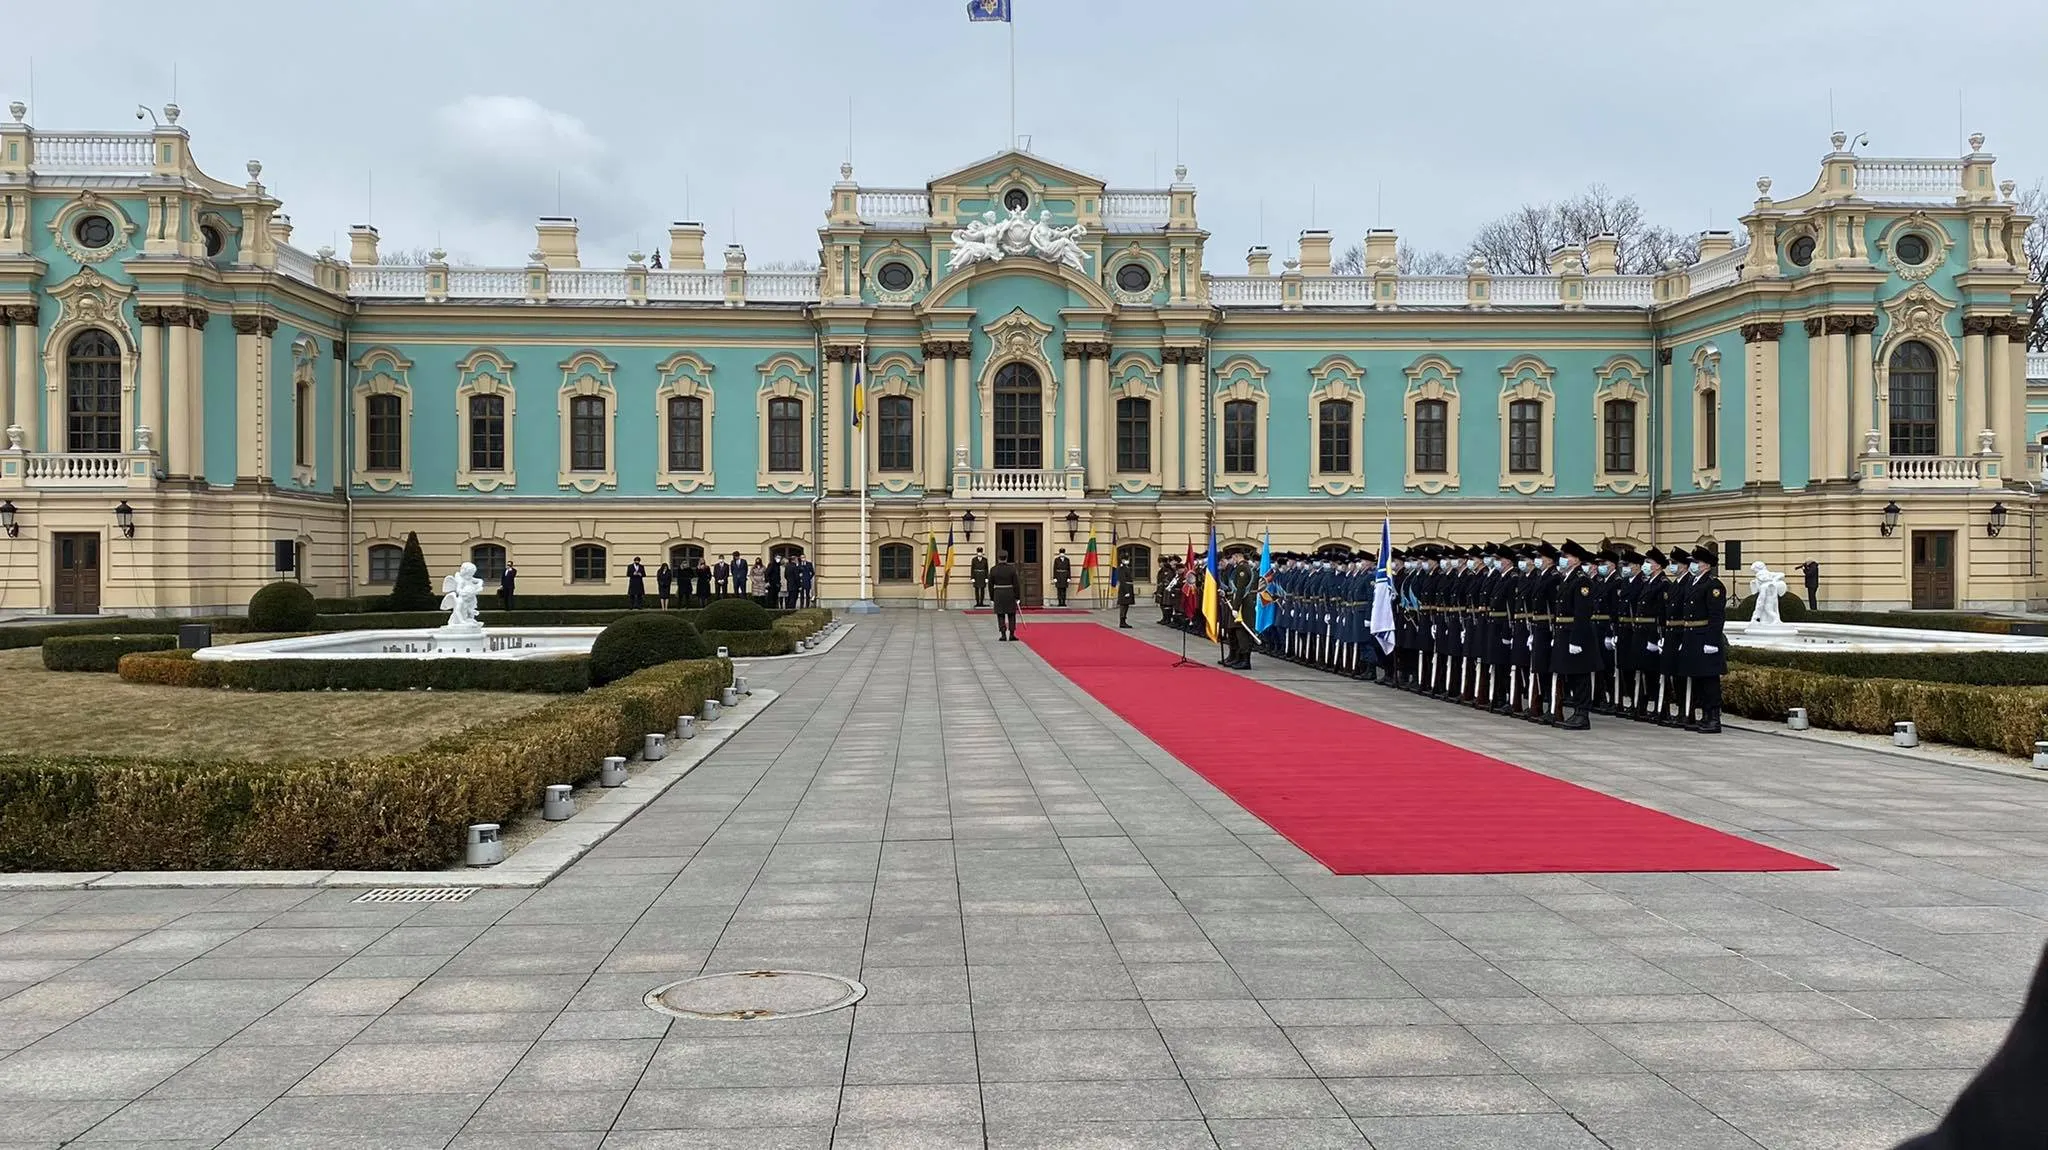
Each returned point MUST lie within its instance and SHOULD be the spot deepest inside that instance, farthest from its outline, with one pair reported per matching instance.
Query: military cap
(1707, 554)
(1607, 555)
(1655, 555)
(1679, 557)
(1546, 550)
(1572, 548)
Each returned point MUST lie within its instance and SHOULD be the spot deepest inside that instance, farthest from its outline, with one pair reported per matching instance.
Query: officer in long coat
(1062, 574)
(1542, 628)
(1500, 629)
(1605, 586)
(1575, 632)
(1648, 635)
(977, 570)
(1006, 588)
(1671, 644)
(1705, 657)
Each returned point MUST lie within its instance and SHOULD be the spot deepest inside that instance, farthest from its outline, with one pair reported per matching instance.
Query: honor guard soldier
(1671, 641)
(1576, 633)
(1705, 658)
(1062, 575)
(977, 570)
(1500, 630)
(1542, 621)
(1605, 585)
(1649, 632)
(1524, 582)
(1628, 589)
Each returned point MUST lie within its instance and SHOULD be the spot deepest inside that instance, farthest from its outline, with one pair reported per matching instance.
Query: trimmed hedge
(282, 606)
(521, 602)
(2004, 719)
(98, 652)
(413, 590)
(568, 674)
(735, 615)
(403, 811)
(1978, 668)
(640, 640)
(1791, 608)
(15, 638)
(751, 644)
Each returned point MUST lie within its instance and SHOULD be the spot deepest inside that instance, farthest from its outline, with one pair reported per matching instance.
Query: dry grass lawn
(69, 712)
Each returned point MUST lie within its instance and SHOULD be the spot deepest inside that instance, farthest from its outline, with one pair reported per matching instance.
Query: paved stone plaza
(1069, 941)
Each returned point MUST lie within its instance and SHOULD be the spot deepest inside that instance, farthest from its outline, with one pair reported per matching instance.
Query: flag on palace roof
(989, 10)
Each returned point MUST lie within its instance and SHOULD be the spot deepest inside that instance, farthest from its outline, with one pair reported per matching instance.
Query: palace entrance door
(77, 568)
(1934, 570)
(1020, 541)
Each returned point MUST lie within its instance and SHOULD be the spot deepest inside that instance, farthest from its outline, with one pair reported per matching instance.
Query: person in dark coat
(1811, 570)
(664, 577)
(1543, 647)
(2004, 1107)
(1005, 589)
(1574, 631)
(506, 584)
(739, 575)
(775, 581)
(723, 574)
(1671, 640)
(1705, 657)
(703, 572)
(1062, 574)
(1126, 594)
(636, 584)
(977, 570)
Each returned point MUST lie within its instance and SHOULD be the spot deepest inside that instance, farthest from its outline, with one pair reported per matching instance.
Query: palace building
(1042, 358)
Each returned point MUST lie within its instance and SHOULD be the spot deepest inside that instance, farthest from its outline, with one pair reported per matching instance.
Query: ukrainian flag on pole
(1210, 611)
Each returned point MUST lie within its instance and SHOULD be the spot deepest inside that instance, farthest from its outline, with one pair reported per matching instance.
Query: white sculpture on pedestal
(460, 599)
(1768, 586)
(989, 239)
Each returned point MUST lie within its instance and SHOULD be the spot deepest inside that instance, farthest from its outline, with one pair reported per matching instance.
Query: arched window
(1241, 437)
(786, 552)
(1333, 436)
(384, 437)
(894, 564)
(1134, 434)
(1139, 557)
(92, 393)
(1525, 436)
(489, 559)
(384, 560)
(587, 564)
(1019, 419)
(1710, 430)
(586, 433)
(685, 433)
(1432, 438)
(785, 434)
(1618, 435)
(487, 432)
(1915, 424)
(895, 441)
(683, 556)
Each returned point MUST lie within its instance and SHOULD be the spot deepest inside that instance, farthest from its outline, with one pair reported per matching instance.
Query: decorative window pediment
(1528, 381)
(685, 377)
(1621, 380)
(1706, 417)
(785, 377)
(1432, 381)
(588, 375)
(485, 373)
(1137, 377)
(1336, 380)
(380, 371)
(894, 376)
(1241, 379)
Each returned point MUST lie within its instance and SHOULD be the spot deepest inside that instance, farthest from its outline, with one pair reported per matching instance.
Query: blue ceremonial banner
(1383, 590)
(989, 10)
(1263, 617)
(1114, 559)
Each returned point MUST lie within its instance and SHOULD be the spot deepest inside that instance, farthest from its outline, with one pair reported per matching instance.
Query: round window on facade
(1016, 199)
(894, 275)
(94, 231)
(1800, 252)
(1913, 249)
(213, 238)
(1134, 277)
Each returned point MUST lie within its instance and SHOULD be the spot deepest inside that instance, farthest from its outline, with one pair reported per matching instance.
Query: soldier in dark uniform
(1500, 631)
(1544, 577)
(978, 571)
(1062, 574)
(1671, 640)
(1604, 588)
(1648, 635)
(1006, 588)
(1164, 590)
(1575, 631)
(1126, 594)
(1705, 658)
(1628, 588)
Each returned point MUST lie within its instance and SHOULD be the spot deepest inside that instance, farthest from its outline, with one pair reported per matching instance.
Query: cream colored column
(178, 408)
(1169, 425)
(936, 466)
(6, 369)
(1070, 405)
(1196, 378)
(1101, 450)
(830, 410)
(962, 357)
(1664, 370)
(195, 394)
(248, 396)
(1974, 384)
(1766, 464)
(149, 391)
(1863, 384)
(2008, 411)
(27, 387)
(1846, 433)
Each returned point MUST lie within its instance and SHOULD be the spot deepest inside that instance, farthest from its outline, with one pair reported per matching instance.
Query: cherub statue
(975, 242)
(1767, 585)
(459, 598)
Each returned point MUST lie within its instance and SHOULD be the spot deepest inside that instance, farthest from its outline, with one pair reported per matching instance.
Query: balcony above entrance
(1930, 472)
(1069, 482)
(76, 470)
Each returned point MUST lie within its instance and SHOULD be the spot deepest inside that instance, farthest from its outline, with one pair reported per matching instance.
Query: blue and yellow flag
(1210, 611)
(860, 394)
(989, 10)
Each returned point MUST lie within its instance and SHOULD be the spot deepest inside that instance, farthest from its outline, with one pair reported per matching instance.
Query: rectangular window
(1333, 435)
(586, 563)
(487, 433)
(1134, 434)
(1431, 436)
(1710, 431)
(586, 433)
(1139, 557)
(895, 441)
(1619, 436)
(490, 561)
(384, 560)
(384, 440)
(302, 424)
(785, 435)
(1241, 437)
(1525, 436)
(896, 563)
(685, 433)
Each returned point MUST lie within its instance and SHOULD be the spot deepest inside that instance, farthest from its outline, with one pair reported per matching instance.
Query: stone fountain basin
(510, 643)
(1852, 639)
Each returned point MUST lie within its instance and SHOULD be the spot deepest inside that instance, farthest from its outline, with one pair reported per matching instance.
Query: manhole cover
(745, 996)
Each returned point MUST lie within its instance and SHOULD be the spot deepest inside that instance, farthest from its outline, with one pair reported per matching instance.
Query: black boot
(1710, 722)
(1575, 720)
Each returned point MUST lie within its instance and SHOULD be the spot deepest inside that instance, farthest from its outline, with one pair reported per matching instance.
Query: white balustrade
(2037, 367)
(1933, 470)
(1526, 291)
(295, 264)
(1430, 291)
(99, 152)
(487, 283)
(1353, 290)
(586, 283)
(1883, 179)
(1621, 291)
(1136, 211)
(1244, 291)
(1718, 272)
(686, 287)
(999, 483)
(888, 206)
(75, 469)
(387, 281)
(782, 287)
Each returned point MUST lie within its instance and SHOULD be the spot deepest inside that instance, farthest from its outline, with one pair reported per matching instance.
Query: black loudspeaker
(287, 556)
(1734, 555)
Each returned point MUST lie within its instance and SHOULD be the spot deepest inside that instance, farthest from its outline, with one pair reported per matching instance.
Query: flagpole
(1012, 22)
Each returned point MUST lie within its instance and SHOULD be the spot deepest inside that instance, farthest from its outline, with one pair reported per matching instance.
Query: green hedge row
(98, 652)
(567, 674)
(1979, 668)
(2004, 719)
(403, 811)
(522, 602)
(15, 638)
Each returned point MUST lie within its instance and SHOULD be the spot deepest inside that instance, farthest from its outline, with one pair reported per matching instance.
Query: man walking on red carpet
(1005, 589)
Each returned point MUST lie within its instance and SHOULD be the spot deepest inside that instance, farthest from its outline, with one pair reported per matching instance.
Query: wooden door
(77, 569)
(1020, 541)
(1934, 570)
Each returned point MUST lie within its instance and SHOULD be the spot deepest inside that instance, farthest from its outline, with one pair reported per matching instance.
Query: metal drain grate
(416, 894)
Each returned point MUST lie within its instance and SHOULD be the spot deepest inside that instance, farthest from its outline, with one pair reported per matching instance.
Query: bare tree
(1520, 242)
(417, 257)
(784, 266)
(1407, 262)
(2035, 203)
(1350, 263)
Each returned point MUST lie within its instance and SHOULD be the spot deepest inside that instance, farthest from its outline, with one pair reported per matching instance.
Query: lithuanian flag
(931, 560)
(1089, 561)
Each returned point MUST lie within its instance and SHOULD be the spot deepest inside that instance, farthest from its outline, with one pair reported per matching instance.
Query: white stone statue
(1767, 585)
(975, 242)
(989, 239)
(459, 600)
(1060, 245)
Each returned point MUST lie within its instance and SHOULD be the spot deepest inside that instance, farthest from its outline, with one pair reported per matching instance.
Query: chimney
(1713, 244)
(1381, 244)
(362, 245)
(686, 246)
(1565, 259)
(1258, 261)
(281, 229)
(557, 241)
(1603, 254)
(1315, 252)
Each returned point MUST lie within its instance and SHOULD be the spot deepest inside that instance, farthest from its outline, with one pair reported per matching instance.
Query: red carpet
(1367, 798)
(1035, 611)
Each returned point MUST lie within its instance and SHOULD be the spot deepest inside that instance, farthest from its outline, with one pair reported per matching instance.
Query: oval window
(214, 241)
(1134, 277)
(94, 231)
(1800, 252)
(894, 275)
(1016, 199)
(1913, 248)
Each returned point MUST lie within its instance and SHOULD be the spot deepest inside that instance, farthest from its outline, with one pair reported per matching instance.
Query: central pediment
(1015, 166)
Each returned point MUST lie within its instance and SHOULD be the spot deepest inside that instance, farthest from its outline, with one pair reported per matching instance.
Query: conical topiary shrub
(414, 590)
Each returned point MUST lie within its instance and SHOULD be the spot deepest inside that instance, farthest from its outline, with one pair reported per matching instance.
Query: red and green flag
(931, 560)
(1089, 561)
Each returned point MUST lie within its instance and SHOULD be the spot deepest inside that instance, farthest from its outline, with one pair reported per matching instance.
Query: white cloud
(499, 162)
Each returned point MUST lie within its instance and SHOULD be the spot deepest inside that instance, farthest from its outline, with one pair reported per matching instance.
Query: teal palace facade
(1040, 356)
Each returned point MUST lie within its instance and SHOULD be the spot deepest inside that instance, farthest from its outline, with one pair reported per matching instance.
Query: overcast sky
(1426, 117)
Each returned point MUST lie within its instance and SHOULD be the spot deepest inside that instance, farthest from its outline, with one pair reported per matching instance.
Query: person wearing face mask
(1500, 651)
(1600, 689)
(1520, 583)
(1628, 641)
(1705, 658)
(1544, 578)
(1671, 640)
(1575, 630)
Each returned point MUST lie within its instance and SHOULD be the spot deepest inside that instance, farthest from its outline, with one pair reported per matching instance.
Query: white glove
(1531, 641)
(1711, 650)
(1509, 642)
(1574, 648)
(1432, 630)
(1656, 648)
(1609, 641)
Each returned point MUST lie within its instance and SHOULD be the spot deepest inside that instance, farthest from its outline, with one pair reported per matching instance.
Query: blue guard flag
(1264, 616)
(1114, 559)
(1383, 590)
(989, 10)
